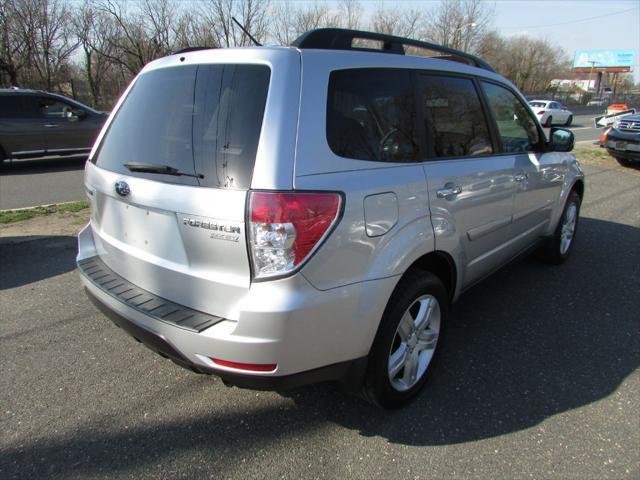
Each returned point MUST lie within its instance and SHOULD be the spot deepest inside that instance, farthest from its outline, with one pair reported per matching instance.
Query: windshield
(203, 120)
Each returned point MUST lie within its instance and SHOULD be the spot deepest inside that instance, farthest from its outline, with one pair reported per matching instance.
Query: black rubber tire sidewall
(549, 122)
(377, 387)
(569, 120)
(623, 161)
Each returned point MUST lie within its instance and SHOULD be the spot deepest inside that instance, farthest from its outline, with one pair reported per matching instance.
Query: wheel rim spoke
(427, 340)
(397, 361)
(423, 315)
(406, 326)
(410, 369)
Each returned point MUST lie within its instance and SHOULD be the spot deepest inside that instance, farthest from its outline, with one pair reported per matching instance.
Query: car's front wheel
(558, 247)
(408, 340)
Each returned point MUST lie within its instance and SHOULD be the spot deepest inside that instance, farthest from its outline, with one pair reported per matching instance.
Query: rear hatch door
(168, 182)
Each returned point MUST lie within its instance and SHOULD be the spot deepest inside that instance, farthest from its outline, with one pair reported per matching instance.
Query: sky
(570, 24)
(574, 24)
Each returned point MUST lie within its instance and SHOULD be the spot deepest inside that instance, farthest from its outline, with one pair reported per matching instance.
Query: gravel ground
(539, 379)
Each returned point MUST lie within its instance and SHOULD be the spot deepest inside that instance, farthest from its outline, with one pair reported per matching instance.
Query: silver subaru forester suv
(284, 215)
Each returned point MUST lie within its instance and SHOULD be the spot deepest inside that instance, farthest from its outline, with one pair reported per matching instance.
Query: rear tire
(558, 247)
(623, 162)
(408, 341)
(569, 121)
(549, 122)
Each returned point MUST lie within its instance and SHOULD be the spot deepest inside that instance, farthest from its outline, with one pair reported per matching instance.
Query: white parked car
(550, 113)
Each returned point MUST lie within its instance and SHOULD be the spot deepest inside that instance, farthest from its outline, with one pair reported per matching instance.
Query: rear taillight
(541, 112)
(285, 228)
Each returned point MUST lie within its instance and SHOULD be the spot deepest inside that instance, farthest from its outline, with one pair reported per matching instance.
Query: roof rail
(342, 39)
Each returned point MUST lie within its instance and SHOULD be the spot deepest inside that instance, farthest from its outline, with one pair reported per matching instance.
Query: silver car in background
(284, 215)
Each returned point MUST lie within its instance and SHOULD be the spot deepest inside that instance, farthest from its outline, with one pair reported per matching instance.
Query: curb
(48, 205)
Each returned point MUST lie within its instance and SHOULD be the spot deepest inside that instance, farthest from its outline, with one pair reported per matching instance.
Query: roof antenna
(246, 32)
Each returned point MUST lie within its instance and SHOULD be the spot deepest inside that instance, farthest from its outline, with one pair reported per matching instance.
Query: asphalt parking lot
(539, 379)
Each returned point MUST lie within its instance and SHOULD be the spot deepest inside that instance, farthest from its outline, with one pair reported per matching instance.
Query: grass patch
(11, 216)
(592, 153)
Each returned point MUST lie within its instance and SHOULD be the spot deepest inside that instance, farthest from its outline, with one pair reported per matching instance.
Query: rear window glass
(371, 115)
(538, 104)
(201, 120)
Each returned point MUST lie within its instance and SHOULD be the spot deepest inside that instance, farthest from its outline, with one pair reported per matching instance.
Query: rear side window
(202, 120)
(371, 115)
(18, 106)
(516, 127)
(454, 117)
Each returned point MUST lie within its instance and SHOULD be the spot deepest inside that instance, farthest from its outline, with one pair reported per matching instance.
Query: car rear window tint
(516, 127)
(18, 106)
(454, 117)
(371, 115)
(202, 119)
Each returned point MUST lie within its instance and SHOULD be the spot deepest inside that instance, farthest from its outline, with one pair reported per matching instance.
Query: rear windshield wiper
(162, 169)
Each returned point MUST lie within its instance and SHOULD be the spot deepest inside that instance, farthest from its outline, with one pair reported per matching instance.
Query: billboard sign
(604, 60)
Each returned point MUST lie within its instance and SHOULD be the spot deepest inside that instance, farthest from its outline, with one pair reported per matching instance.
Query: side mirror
(561, 140)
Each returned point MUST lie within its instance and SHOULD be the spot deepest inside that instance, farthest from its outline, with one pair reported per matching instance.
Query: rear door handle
(449, 191)
(50, 125)
(520, 177)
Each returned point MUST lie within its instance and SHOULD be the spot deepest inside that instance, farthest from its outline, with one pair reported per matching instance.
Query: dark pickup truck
(36, 124)
(623, 140)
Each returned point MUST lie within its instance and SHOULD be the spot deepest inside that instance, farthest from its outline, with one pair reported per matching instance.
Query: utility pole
(593, 64)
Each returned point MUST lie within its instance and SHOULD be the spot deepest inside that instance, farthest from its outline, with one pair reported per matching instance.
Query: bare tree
(252, 14)
(350, 13)
(459, 24)
(289, 21)
(96, 32)
(529, 63)
(14, 45)
(141, 35)
(37, 39)
(404, 22)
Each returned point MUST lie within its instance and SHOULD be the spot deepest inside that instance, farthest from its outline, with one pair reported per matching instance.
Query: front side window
(454, 117)
(201, 120)
(54, 109)
(371, 115)
(517, 128)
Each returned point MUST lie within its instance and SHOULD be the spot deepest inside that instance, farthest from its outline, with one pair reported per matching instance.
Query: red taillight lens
(541, 112)
(251, 367)
(286, 227)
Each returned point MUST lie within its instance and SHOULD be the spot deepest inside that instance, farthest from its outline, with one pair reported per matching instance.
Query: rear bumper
(350, 372)
(632, 156)
(311, 335)
(631, 142)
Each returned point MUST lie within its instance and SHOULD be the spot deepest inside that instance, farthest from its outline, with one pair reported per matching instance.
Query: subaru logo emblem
(122, 188)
